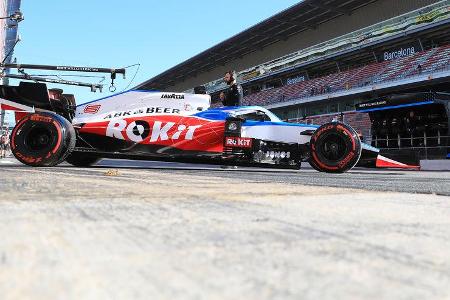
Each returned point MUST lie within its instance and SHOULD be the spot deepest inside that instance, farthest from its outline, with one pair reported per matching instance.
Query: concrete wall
(366, 16)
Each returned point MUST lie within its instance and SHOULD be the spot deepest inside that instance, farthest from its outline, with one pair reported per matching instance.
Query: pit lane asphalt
(423, 182)
(174, 231)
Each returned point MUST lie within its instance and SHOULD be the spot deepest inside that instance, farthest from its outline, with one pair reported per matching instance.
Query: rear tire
(42, 139)
(335, 148)
(80, 159)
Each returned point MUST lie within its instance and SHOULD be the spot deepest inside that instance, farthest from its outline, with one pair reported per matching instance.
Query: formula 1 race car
(138, 124)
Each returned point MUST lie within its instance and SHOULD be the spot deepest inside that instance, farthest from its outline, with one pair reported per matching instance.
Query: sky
(116, 33)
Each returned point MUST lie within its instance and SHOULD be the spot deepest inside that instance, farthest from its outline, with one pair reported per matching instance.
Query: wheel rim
(334, 147)
(38, 138)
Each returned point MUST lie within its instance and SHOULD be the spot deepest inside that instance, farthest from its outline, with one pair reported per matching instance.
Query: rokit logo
(238, 142)
(172, 96)
(138, 131)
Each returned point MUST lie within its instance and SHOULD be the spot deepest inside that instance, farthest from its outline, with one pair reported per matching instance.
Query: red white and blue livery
(173, 127)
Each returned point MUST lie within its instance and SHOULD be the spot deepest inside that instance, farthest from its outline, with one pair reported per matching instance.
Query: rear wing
(13, 106)
(29, 97)
(26, 94)
(24, 98)
(19, 110)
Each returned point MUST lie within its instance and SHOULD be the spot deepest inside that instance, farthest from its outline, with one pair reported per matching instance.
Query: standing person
(3, 143)
(233, 94)
(7, 144)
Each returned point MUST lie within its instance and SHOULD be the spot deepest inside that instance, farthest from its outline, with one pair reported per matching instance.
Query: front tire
(335, 148)
(42, 139)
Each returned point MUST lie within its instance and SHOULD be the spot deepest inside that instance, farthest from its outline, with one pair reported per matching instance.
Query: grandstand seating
(430, 61)
(437, 61)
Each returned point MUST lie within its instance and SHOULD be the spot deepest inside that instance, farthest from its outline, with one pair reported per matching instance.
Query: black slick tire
(42, 139)
(335, 148)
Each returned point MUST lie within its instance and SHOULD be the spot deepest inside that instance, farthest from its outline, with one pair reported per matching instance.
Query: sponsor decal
(81, 69)
(371, 104)
(92, 109)
(296, 79)
(251, 75)
(321, 130)
(41, 119)
(139, 130)
(27, 159)
(238, 142)
(346, 160)
(172, 96)
(399, 52)
(147, 111)
(278, 154)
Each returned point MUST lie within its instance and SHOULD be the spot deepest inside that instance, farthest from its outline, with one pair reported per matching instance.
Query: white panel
(138, 103)
(277, 133)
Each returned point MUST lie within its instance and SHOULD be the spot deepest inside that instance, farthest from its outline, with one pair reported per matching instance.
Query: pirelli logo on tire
(39, 118)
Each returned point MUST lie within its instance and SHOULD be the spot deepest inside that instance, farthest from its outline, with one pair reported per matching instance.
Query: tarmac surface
(142, 230)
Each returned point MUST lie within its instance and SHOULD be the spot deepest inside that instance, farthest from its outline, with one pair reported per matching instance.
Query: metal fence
(425, 147)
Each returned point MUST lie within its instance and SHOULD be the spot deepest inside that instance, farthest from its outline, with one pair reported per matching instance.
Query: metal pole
(375, 56)
(420, 43)
(64, 68)
(59, 81)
